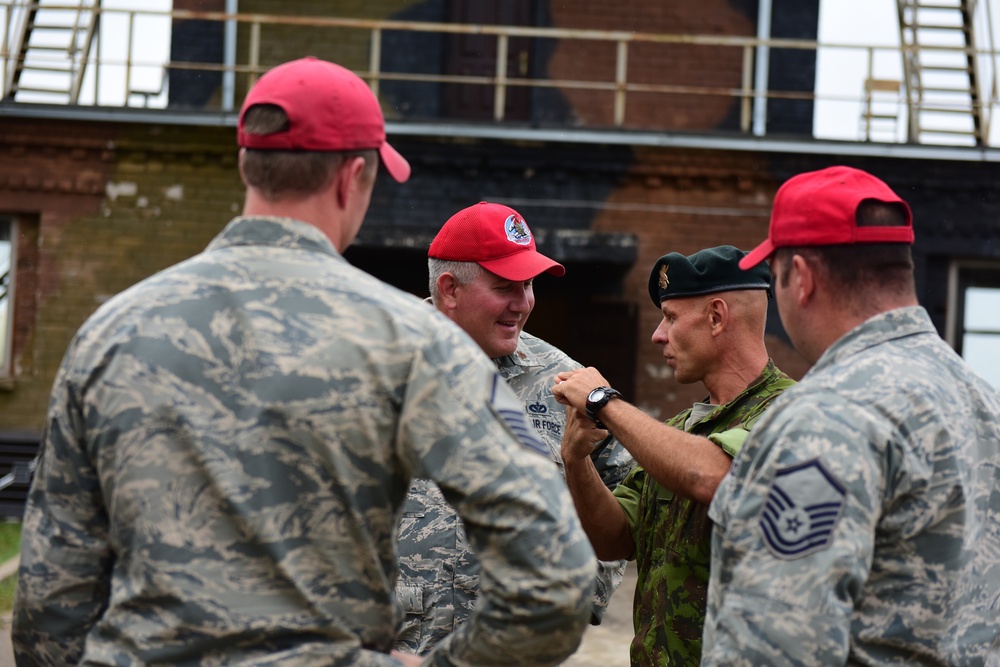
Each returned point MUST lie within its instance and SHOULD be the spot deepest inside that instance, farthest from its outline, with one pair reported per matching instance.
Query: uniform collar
(273, 231)
(887, 326)
(522, 358)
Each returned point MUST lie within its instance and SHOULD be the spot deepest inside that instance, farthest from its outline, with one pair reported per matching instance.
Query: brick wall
(129, 200)
(49, 175)
(113, 204)
(682, 65)
(281, 43)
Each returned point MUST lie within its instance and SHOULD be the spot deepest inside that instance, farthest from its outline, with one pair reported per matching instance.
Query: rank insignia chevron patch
(802, 510)
(507, 407)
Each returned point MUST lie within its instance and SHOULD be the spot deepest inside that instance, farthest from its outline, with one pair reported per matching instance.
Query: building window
(974, 322)
(8, 234)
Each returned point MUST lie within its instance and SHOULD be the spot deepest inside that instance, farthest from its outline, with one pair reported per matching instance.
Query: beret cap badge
(664, 281)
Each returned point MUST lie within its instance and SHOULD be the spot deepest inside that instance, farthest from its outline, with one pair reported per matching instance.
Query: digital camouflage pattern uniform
(672, 536)
(227, 453)
(861, 523)
(439, 575)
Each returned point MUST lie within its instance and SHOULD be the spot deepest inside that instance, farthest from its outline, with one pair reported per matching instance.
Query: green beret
(705, 272)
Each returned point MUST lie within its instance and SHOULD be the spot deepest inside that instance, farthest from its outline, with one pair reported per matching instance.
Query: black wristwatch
(597, 399)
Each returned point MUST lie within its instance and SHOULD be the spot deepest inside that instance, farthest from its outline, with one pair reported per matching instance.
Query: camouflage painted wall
(113, 203)
(105, 204)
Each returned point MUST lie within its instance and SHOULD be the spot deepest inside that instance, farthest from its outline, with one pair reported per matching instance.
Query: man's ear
(803, 280)
(348, 178)
(447, 286)
(242, 156)
(718, 315)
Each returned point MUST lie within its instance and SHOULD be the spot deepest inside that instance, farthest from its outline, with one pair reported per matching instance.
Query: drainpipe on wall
(760, 69)
(229, 58)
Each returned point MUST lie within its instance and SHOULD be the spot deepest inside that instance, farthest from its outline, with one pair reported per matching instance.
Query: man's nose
(660, 334)
(520, 302)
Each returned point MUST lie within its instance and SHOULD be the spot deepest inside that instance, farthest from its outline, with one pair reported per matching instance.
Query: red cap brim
(523, 266)
(395, 164)
(757, 255)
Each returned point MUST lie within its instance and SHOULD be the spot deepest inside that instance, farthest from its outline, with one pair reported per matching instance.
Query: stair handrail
(5, 48)
(911, 74)
(80, 67)
(994, 94)
(17, 55)
(972, 58)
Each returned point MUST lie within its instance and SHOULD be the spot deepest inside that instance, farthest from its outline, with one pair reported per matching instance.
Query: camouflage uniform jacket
(228, 447)
(861, 523)
(672, 536)
(439, 575)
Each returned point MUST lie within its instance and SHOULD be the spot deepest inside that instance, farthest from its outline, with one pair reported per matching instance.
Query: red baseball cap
(818, 208)
(329, 108)
(497, 238)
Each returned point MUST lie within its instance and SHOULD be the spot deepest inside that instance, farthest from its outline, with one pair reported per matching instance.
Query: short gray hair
(465, 273)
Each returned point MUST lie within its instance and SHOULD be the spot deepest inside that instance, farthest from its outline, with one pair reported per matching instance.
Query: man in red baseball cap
(494, 243)
(482, 265)
(858, 525)
(301, 123)
(327, 108)
(233, 437)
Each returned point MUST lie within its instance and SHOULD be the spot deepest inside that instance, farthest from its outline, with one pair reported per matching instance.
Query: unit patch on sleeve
(801, 510)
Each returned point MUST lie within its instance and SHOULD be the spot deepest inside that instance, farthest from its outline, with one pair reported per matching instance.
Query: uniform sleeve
(66, 560)
(465, 429)
(628, 493)
(730, 441)
(612, 461)
(438, 577)
(794, 536)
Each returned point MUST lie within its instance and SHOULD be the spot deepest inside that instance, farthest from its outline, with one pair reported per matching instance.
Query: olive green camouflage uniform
(672, 536)
(860, 525)
(228, 449)
(438, 574)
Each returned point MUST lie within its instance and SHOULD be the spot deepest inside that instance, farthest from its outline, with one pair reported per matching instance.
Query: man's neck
(311, 209)
(730, 380)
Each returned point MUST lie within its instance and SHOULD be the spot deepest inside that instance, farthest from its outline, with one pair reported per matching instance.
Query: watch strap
(594, 406)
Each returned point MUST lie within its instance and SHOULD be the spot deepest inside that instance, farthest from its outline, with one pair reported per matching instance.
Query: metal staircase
(51, 49)
(945, 95)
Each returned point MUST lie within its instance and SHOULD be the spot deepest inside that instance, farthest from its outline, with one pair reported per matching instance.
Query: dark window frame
(8, 287)
(964, 275)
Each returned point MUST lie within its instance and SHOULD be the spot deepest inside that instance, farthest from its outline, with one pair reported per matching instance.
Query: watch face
(596, 395)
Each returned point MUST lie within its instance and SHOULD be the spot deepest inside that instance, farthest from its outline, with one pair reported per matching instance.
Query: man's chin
(504, 348)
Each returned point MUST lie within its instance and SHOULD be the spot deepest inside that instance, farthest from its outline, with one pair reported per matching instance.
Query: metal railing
(20, 473)
(113, 70)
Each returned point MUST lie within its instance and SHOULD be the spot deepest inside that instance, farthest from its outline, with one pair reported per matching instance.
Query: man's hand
(580, 436)
(572, 387)
(407, 659)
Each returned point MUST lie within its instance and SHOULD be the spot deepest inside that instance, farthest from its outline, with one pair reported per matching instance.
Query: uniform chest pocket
(411, 598)
(664, 496)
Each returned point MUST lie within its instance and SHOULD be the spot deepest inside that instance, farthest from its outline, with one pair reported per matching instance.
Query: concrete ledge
(9, 568)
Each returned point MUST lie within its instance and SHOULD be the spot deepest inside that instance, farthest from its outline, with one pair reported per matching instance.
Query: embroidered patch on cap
(517, 230)
(506, 405)
(801, 511)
